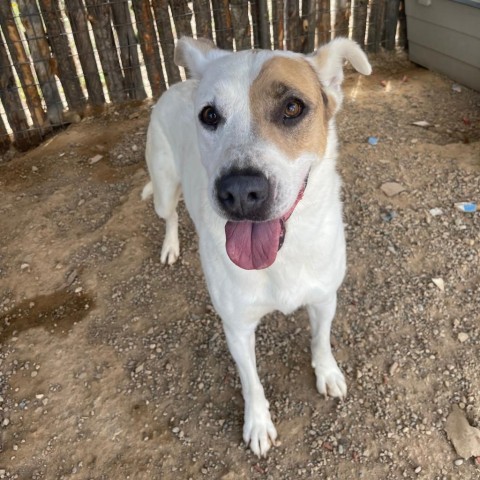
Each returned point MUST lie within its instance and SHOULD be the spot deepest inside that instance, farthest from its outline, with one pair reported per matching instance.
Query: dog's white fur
(182, 156)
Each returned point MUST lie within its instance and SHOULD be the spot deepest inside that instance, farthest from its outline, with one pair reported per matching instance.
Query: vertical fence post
(203, 18)
(375, 25)
(165, 34)
(62, 54)
(308, 25)
(342, 18)
(99, 15)
(324, 21)
(41, 57)
(294, 26)
(223, 24)
(149, 46)
(22, 62)
(122, 21)
(240, 24)
(278, 20)
(359, 21)
(23, 139)
(4, 137)
(77, 16)
(182, 17)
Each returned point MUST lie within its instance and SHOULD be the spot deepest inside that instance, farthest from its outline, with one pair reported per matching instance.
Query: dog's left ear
(329, 59)
(196, 54)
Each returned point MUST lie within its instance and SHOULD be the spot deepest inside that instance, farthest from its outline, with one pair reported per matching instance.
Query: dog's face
(262, 121)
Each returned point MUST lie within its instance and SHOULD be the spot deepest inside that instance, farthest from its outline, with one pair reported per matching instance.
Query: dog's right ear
(196, 54)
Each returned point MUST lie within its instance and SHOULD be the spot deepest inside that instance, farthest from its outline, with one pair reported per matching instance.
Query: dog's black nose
(243, 195)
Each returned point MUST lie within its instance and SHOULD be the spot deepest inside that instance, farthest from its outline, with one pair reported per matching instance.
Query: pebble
(458, 462)
(95, 159)
(462, 337)
(418, 469)
(393, 368)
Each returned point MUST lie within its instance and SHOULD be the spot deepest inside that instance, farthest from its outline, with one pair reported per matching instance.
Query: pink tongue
(252, 245)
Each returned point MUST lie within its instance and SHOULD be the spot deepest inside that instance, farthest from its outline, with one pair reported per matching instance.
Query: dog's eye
(209, 117)
(293, 109)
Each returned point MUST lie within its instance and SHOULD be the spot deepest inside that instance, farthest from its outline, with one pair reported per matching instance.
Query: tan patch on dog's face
(282, 84)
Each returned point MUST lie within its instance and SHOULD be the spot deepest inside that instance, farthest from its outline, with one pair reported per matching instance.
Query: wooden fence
(60, 57)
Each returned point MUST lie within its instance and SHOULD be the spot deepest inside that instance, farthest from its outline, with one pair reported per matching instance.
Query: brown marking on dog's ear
(281, 80)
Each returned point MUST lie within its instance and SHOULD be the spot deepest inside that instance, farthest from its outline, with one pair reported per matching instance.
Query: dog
(251, 142)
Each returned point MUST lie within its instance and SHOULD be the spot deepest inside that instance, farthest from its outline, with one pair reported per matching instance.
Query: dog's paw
(330, 380)
(170, 252)
(259, 432)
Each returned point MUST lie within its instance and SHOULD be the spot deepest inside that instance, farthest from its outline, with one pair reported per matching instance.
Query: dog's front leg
(258, 429)
(330, 380)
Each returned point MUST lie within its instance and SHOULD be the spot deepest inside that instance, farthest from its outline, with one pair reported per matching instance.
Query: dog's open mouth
(254, 245)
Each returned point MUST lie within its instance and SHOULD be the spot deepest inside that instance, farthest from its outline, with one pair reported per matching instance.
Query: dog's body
(241, 142)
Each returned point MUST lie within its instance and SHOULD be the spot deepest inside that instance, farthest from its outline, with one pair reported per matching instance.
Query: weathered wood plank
(13, 106)
(23, 67)
(203, 18)
(223, 24)
(162, 18)
(375, 25)
(122, 21)
(262, 23)
(77, 16)
(58, 41)
(41, 57)
(294, 25)
(149, 46)
(278, 20)
(392, 11)
(323, 22)
(308, 25)
(359, 21)
(342, 18)
(182, 17)
(402, 28)
(241, 24)
(5, 141)
(99, 15)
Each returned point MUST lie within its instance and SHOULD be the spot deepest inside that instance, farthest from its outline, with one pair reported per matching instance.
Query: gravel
(114, 366)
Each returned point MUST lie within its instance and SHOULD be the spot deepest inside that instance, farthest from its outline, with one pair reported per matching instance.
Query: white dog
(251, 142)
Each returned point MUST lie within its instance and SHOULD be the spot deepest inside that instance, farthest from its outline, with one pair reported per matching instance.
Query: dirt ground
(113, 366)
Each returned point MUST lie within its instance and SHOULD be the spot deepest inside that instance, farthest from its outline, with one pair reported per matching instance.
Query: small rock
(95, 159)
(439, 283)
(462, 337)
(393, 368)
(24, 266)
(34, 169)
(418, 469)
(458, 462)
(465, 438)
(422, 123)
(390, 189)
(6, 422)
(435, 212)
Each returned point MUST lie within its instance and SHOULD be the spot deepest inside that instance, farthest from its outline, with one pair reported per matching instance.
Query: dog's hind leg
(330, 380)
(166, 191)
(167, 209)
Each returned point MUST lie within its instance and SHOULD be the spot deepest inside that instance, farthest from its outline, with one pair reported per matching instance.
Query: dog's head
(262, 122)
